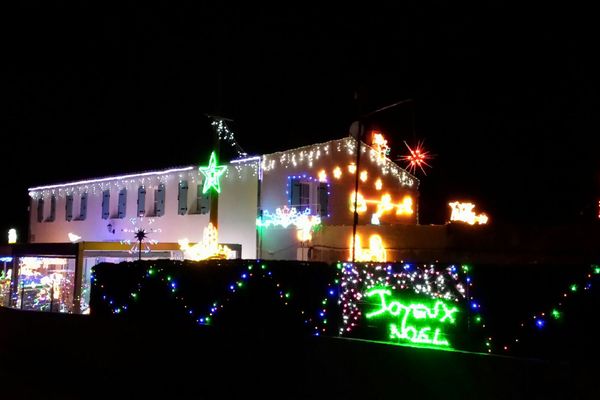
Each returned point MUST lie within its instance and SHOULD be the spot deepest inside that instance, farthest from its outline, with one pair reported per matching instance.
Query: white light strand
(96, 186)
(309, 154)
(225, 134)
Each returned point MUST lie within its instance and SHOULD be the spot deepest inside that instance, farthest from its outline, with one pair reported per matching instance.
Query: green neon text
(409, 315)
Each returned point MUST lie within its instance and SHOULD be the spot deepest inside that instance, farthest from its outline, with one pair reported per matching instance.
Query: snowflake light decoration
(140, 234)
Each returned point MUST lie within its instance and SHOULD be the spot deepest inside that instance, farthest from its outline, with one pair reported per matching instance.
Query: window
(52, 215)
(323, 198)
(105, 204)
(159, 201)
(311, 195)
(300, 195)
(122, 203)
(40, 210)
(202, 200)
(141, 202)
(182, 198)
(83, 208)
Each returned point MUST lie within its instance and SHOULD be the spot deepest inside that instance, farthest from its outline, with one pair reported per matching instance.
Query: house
(294, 204)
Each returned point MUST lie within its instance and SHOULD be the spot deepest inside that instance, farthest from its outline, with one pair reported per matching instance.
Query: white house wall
(238, 207)
(324, 158)
(237, 216)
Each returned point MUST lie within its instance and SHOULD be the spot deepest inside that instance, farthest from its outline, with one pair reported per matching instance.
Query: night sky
(503, 96)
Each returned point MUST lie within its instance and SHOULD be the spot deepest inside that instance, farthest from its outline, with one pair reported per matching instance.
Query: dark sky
(504, 96)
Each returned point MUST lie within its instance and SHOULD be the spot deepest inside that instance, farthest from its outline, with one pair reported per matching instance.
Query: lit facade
(276, 206)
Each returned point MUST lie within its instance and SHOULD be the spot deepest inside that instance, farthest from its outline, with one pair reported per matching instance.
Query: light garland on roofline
(306, 156)
(95, 186)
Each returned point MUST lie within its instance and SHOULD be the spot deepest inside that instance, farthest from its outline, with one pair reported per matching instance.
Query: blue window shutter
(122, 203)
(69, 207)
(105, 204)
(182, 198)
(83, 209)
(159, 201)
(323, 196)
(141, 202)
(203, 200)
(295, 190)
(52, 209)
(40, 210)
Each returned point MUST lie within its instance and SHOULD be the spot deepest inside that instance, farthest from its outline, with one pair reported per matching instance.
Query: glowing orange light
(361, 204)
(406, 207)
(375, 252)
(363, 176)
(464, 212)
(379, 144)
(322, 176)
(384, 205)
(416, 158)
(378, 184)
(337, 172)
(208, 248)
(352, 168)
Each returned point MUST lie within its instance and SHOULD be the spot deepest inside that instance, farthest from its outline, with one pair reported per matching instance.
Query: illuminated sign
(464, 212)
(420, 323)
(212, 174)
(375, 252)
(208, 248)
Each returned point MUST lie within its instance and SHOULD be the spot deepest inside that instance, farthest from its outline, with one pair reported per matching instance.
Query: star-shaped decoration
(417, 158)
(212, 173)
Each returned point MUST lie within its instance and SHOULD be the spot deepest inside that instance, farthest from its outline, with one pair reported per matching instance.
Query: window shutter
(182, 198)
(69, 207)
(122, 203)
(83, 209)
(159, 201)
(141, 202)
(105, 204)
(203, 200)
(323, 198)
(295, 189)
(52, 209)
(40, 210)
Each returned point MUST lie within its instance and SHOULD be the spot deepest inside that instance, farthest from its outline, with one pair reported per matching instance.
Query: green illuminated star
(212, 173)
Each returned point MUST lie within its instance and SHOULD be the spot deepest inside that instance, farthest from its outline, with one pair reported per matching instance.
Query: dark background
(503, 95)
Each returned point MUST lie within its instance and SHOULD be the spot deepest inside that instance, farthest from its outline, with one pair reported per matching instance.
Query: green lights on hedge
(573, 287)
(420, 323)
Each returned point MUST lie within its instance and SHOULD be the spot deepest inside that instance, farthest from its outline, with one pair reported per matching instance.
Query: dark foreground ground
(51, 356)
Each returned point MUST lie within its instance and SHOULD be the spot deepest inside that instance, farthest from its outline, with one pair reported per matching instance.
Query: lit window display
(5, 286)
(46, 284)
